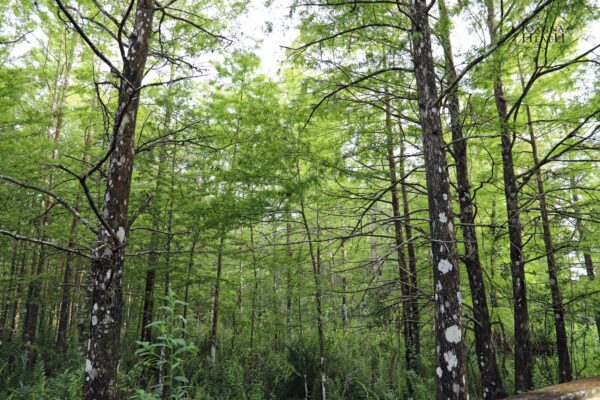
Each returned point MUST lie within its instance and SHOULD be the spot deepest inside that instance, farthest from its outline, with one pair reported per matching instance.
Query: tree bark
(587, 257)
(106, 268)
(65, 304)
(491, 381)
(408, 299)
(189, 275)
(215, 309)
(7, 293)
(32, 305)
(316, 269)
(412, 258)
(451, 360)
(558, 310)
(523, 356)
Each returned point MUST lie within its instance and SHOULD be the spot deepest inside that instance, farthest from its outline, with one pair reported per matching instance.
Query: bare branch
(45, 243)
(494, 47)
(59, 199)
(141, 209)
(91, 44)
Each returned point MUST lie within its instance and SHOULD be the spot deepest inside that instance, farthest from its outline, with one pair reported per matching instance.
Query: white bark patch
(451, 360)
(444, 266)
(459, 297)
(94, 320)
(443, 218)
(445, 196)
(124, 123)
(121, 234)
(439, 372)
(453, 334)
(88, 366)
(455, 388)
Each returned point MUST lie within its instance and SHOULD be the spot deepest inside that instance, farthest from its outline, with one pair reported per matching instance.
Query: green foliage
(168, 354)
(236, 170)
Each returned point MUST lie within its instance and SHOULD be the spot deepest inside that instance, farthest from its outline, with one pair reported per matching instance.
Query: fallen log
(581, 389)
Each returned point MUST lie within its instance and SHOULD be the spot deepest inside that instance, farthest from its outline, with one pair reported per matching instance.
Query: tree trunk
(7, 293)
(345, 316)
(523, 356)
(587, 257)
(316, 269)
(65, 304)
(189, 275)
(215, 310)
(33, 302)
(490, 379)
(412, 258)
(451, 361)
(106, 268)
(558, 310)
(290, 255)
(408, 299)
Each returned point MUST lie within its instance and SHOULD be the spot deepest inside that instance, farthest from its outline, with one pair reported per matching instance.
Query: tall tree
(490, 379)
(523, 356)
(451, 361)
(107, 264)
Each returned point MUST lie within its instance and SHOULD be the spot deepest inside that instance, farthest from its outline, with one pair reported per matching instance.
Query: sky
(251, 33)
(253, 28)
(284, 31)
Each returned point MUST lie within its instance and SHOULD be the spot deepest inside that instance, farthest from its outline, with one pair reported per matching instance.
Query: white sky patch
(266, 29)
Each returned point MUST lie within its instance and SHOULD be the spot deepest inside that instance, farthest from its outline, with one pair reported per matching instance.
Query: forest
(298, 199)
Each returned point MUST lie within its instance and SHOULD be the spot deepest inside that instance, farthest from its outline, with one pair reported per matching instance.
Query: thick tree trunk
(490, 379)
(523, 356)
(108, 258)
(451, 361)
